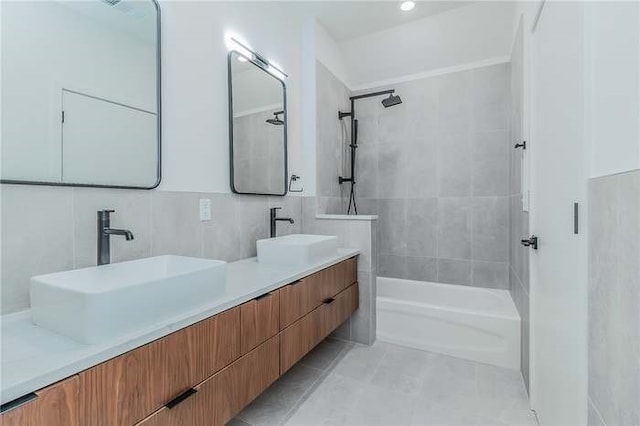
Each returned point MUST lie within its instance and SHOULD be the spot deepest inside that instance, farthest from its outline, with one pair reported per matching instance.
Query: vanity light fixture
(408, 5)
(276, 72)
(234, 45)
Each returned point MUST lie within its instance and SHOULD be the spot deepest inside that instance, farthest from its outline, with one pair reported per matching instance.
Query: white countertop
(33, 357)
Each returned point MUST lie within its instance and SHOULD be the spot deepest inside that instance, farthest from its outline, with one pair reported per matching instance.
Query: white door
(559, 266)
(108, 143)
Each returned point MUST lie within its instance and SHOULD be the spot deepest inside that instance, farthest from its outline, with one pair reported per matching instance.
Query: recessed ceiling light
(406, 6)
(242, 59)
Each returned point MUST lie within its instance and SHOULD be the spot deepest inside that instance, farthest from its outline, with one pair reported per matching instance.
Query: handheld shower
(392, 100)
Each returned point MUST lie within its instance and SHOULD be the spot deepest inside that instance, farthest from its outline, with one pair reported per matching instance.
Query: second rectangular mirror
(258, 128)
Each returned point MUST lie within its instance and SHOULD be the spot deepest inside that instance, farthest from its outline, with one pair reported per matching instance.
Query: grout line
(314, 385)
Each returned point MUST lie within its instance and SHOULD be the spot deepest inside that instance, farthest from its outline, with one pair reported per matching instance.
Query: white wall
(464, 35)
(612, 80)
(195, 120)
(328, 52)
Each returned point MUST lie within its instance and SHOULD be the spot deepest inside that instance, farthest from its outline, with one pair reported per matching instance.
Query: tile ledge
(346, 217)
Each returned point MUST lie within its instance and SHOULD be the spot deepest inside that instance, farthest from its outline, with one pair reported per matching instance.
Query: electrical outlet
(205, 209)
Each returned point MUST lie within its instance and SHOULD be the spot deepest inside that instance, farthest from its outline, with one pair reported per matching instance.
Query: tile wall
(435, 169)
(49, 229)
(331, 155)
(614, 300)
(258, 153)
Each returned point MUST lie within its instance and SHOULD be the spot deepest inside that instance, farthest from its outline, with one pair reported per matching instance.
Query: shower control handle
(530, 242)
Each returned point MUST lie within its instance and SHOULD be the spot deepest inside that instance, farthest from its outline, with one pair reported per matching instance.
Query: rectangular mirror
(257, 127)
(81, 93)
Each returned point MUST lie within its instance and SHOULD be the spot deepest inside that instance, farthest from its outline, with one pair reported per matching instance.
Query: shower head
(276, 121)
(392, 100)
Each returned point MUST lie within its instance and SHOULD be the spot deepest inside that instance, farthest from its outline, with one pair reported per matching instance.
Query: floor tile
(325, 354)
(429, 413)
(451, 382)
(330, 403)
(390, 385)
(272, 407)
(402, 369)
(380, 407)
(361, 362)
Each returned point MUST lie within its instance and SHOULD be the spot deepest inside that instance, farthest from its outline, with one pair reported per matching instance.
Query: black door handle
(531, 242)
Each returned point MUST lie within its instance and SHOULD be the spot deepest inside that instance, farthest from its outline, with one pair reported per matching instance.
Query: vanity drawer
(56, 405)
(303, 335)
(301, 297)
(214, 343)
(260, 320)
(336, 311)
(219, 398)
(128, 388)
(298, 339)
(243, 381)
(295, 302)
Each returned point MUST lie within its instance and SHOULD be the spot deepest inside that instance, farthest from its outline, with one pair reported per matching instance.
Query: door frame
(530, 84)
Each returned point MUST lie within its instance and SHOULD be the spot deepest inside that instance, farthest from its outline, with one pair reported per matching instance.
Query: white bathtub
(479, 324)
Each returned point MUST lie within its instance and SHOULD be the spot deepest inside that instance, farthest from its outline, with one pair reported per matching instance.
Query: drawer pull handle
(180, 398)
(18, 402)
(262, 296)
(328, 301)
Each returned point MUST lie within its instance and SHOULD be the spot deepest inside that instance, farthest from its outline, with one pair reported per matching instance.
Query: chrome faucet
(274, 219)
(104, 235)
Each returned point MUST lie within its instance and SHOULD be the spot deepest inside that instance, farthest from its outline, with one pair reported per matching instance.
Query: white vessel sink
(92, 305)
(297, 249)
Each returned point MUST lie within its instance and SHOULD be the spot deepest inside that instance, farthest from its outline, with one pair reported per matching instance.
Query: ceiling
(346, 20)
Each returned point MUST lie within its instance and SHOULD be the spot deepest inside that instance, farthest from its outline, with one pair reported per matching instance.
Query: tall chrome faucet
(273, 219)
(104, 234)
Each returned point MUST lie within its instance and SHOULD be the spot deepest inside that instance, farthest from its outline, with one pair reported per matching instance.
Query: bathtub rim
(508, 311)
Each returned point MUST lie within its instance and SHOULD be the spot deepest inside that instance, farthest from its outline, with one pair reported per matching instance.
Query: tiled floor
(344, 384)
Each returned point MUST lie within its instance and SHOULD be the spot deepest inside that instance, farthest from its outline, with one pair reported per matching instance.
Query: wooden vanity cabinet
(126, 389)
(206, 373)
(55, 405)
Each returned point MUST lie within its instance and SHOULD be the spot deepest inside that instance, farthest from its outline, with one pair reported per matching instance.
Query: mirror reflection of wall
(80, 98)
(258, 118)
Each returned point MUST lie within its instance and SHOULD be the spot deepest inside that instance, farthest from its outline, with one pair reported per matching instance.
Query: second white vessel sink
(296, 249)
(92, 305)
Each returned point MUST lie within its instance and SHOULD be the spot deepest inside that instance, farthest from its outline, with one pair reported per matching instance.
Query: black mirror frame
(261, 66)
(159, 127)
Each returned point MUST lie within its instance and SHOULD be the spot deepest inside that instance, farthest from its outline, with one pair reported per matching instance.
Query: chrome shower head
(276, 121)
(392, 100)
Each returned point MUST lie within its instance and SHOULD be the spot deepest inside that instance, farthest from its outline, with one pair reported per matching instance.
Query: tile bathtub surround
(614, 297)
(435, 169)
(332, 96)
(518, 218)
(361, 235)
(49, 229)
